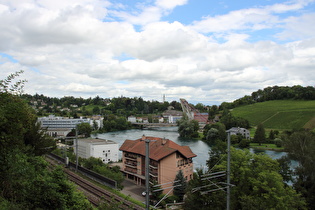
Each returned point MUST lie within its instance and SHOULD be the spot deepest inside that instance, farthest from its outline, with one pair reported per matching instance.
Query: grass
(265, 146)
(279, 114)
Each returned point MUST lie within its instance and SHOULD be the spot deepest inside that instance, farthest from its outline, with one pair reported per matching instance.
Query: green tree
(180, 185)
(260, 136)
(84, 129)
(25, 181)
(301, 146)
(257, 185)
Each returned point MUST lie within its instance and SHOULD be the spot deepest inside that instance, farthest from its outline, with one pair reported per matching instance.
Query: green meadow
(279, 114)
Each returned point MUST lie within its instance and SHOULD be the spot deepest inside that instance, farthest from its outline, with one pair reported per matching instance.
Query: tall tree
(301, 146)
(260, 135)
(25, 181)
(180, 184)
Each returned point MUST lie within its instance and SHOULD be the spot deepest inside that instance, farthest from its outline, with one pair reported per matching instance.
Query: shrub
(278, 142)
(244, 143)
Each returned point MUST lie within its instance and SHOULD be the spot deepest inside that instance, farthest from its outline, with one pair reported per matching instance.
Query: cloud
(148, 14)
(88, 48)
(258, 18)
(298, 27)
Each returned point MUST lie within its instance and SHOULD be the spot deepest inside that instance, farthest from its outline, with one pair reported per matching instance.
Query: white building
(106, 150)
(244, 132)
(132, 119)
(60, 126)
(60, 122)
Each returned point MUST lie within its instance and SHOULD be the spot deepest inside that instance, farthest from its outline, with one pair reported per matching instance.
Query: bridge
(153, 125)
(193, 113)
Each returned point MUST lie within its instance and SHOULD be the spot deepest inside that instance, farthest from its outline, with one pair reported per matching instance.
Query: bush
(244, 143)
(278, 142)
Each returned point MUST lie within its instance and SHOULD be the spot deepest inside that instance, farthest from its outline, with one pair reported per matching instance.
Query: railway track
(96, 195)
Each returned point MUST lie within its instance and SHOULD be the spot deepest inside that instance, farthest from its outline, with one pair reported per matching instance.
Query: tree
(25, 181)
(188, 128)
(180, 185)
(257, 185)
(212, 135)
(260, 135)
(301, 146)
(85, 129)
(271, 135)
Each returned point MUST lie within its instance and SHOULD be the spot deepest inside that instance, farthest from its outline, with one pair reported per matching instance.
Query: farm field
(279, 114)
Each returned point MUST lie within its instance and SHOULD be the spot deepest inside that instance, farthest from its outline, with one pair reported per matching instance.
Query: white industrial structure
(106, 150)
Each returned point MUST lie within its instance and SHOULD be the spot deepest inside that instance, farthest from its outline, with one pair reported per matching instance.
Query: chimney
(143, 137)
(163, 141)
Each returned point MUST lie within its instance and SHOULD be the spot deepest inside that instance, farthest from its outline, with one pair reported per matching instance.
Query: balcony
(131, 164)
(154, 164)
(130, 156)
(130, 170)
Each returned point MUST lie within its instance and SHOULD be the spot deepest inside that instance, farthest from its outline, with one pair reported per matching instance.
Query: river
(198, 147)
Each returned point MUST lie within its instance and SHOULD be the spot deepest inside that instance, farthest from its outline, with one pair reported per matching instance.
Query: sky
(204, 51)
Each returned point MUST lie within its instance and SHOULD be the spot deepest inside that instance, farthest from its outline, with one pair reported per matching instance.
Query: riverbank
(265, 146)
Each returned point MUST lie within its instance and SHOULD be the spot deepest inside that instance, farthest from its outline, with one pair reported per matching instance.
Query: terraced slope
(279, 114)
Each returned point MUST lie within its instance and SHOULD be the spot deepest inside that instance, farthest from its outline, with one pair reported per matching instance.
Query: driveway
(134, 190)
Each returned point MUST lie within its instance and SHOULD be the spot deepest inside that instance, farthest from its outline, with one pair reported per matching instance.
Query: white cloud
(69, 48)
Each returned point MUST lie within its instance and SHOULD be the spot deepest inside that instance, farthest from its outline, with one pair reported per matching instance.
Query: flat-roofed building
(166, 159)
(106, 150)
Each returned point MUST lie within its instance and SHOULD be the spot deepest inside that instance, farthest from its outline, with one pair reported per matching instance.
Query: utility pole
(76, 149)
(228, 171)
(147, 171)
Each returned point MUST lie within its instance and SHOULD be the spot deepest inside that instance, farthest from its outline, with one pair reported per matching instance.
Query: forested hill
(296, 92)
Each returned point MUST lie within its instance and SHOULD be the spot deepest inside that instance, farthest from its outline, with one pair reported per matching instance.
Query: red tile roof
(159, 148)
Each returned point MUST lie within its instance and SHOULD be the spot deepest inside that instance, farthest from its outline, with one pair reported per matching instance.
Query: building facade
(60, 126)
(106, 150)
(242, 131)
(166, 159)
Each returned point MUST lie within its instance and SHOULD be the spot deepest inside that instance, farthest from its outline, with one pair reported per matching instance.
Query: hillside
(279, 114)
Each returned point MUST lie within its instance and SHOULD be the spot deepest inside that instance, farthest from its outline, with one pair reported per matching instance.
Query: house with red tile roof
(166, 159)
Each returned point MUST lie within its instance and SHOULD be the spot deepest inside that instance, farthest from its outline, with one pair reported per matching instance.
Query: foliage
(119, 106)
(285, 169)
(212, 112)
(156, 190)
(260, 136)
(278, 142)
(25, 181)
(296, 92)
(188, 128)
(84, 129)
(114, 123)
(6, 85)
(301, 146)
(257, 185)
(221, 132)
(96, 164)
(180, 185)
(244, 143)
(230, 121)
(196, 200)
